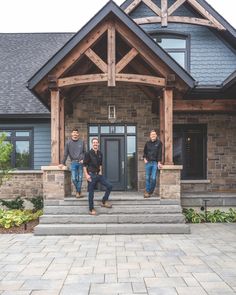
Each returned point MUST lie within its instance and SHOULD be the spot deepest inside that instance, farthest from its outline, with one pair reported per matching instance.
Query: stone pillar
(56, 182)
(170, 187)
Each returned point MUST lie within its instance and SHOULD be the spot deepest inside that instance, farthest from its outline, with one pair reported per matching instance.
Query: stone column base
(56, 182)
(170, 187)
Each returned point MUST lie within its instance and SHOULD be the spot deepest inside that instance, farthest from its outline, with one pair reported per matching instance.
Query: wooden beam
(96, 60)
(209, 105)
(62, 127)
(175, 19)
(147, 20)
(162, 125)
(111, 55)
(82, 80)
(153, 6)
(175, 6)
(205, 14)
(55, 127)
(164, 13)
(132, 6)
(141, 79)
(126, 60)
(168, 122)
(74, 55)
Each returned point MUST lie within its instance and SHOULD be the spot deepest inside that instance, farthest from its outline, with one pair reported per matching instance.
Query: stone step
(110, 229)
(119, 209)
(112, 218)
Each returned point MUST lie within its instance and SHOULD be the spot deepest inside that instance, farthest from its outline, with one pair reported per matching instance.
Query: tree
(5, 157)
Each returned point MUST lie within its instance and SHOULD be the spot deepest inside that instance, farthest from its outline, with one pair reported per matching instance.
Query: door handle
(123, 167)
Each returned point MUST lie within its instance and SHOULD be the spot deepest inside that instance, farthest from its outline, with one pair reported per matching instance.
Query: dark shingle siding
(21, 55)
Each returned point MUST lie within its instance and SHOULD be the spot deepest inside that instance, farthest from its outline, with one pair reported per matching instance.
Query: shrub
(10, 218)
(37, 202)
(193, 216)
(5, 157)
(17, 203)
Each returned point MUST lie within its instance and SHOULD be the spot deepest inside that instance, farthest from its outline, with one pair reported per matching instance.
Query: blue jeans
(151, 169)
(77, 175)
(95, 178)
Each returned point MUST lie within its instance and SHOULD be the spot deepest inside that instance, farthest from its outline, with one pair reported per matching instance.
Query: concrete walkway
(203, 262)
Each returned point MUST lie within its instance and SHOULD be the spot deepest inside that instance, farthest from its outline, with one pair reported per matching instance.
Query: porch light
(112, 113)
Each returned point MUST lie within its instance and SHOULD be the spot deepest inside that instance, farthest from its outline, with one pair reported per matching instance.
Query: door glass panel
(22, 133)
(131, 129)
(93, 129)
(131, 162)
(120, 129)
(22, 154)
(105, 129)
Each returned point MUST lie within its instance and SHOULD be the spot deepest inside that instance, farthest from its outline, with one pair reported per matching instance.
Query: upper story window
(22, 155)
(176, 46)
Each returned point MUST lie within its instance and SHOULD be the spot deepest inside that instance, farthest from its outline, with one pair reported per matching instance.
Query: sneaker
(79, 195)
(146, 195)
(106, 205)
(92, 212)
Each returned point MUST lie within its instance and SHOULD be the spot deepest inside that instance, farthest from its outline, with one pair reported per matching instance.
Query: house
(169, 65)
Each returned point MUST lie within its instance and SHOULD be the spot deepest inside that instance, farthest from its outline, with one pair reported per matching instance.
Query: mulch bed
(20, 229)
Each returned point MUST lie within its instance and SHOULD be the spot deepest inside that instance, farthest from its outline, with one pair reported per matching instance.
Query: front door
(113, 149)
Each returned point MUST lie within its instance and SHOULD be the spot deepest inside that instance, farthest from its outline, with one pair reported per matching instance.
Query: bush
(193, 216)
(5, 157)
(37, 202)
(10, 218)
(17, 203)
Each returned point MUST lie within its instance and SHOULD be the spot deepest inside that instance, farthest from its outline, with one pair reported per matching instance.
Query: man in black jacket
(152, 156)
(93, 174)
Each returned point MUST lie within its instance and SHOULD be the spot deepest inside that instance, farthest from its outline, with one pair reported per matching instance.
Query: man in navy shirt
(152, 156)
(93, 174)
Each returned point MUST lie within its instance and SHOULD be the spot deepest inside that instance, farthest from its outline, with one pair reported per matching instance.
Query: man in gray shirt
(75, 149)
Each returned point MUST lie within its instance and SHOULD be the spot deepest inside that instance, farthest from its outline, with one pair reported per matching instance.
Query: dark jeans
(95, 178)
(77, 175)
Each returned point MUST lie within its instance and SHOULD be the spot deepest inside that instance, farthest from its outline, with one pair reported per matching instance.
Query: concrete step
(112, 218)
(119, 209)
(110, 229)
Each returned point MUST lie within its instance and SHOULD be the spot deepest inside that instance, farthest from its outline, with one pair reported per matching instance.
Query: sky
(27, 16)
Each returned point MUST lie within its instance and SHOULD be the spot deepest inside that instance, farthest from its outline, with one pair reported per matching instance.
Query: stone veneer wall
(132, 106)
(221, 151)
(24, 184)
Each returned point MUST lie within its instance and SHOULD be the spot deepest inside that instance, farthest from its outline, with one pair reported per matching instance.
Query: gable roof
(229, 34)
(109, 8)
(21, 55)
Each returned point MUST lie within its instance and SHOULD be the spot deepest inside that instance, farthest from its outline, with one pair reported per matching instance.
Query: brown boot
(106, 205)
(146, 195)
(79, 195)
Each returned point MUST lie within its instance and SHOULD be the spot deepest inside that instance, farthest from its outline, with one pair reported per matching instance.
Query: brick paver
(203, 262)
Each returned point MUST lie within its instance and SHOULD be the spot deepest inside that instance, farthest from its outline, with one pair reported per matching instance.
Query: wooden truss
(165, 14)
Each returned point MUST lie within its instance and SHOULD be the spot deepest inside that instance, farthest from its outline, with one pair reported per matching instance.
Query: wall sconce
(112, 113)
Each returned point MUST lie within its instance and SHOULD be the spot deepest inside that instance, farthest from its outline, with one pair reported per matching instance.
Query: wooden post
(164, 13)
(168, 123)
(162, 125)
(62, 127)
(111, 55)
(55, 126)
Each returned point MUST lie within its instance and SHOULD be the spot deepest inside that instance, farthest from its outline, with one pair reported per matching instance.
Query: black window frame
(184, 129)
(175, 35)
(13, 139)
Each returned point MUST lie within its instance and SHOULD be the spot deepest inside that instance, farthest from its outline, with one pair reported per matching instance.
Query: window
(176, 46)
(21, 140)
(190, 150)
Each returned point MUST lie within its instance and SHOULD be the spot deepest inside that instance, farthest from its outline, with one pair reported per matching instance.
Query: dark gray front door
(113, 149)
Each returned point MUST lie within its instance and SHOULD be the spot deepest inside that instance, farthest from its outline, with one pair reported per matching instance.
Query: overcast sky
(69, 16)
